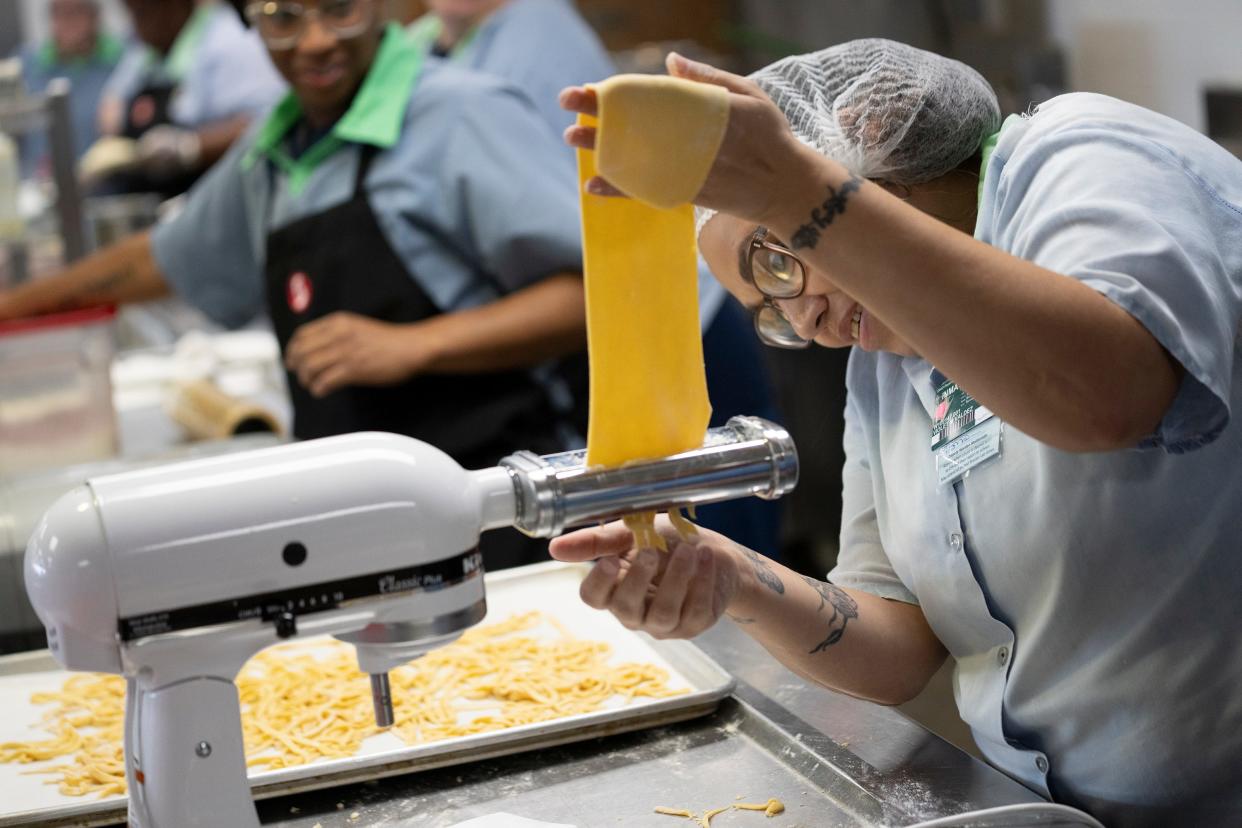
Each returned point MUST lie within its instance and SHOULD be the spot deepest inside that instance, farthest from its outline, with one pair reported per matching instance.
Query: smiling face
(75, 27)
(325, 70)
(822, 314)
(158, 22)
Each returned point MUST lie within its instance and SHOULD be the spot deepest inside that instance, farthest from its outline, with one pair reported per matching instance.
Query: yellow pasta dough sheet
(691, 682)
(648, 386)
(659, 136)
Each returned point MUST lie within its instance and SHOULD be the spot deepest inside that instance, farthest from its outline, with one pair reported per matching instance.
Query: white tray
(551, 588)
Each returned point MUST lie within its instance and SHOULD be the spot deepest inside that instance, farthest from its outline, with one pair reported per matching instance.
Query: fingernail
(607, 565)
(595, 187)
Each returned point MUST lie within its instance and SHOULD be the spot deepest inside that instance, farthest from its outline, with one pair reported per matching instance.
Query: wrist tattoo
(807, 236)
(843, 609)
(736, 620)
(764, 571)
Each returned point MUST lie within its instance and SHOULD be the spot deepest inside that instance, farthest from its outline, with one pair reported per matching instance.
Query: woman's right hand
(675, 594)
(758, 161)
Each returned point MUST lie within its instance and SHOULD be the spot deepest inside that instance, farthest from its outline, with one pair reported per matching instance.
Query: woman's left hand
(344, 349)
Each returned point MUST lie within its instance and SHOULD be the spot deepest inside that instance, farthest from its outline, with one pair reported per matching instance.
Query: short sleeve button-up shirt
(1090, 600)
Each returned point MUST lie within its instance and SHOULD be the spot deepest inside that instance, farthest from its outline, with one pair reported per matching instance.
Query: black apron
(150, 107)
(340, 260)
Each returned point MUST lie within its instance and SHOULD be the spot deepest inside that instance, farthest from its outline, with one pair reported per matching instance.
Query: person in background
(410, 229)
(541, 47)
(77, 49)
(1043, 466)
(186, 92)
(537, 45)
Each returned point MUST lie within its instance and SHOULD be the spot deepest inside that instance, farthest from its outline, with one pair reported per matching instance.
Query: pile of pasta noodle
(300, 705)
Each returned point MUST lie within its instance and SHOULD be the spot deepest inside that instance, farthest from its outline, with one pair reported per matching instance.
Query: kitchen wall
(1151, 52)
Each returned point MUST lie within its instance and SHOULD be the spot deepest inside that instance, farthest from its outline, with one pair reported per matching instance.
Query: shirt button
(955, 542)
(1041, 764)
(1002, 656)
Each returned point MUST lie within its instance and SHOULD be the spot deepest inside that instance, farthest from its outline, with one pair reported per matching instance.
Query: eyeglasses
(777, 273)
(282, 24)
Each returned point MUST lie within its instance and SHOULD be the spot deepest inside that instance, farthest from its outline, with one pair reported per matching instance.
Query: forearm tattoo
(807, 236)
(764, 571)
(843, 609)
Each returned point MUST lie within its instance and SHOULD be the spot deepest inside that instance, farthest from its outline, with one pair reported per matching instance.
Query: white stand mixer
(174, 577)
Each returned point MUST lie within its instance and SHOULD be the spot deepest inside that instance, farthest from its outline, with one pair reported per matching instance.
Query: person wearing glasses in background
(185, 92)
(1043, 477)
(541, 47)
(411, 230)
(78, 49)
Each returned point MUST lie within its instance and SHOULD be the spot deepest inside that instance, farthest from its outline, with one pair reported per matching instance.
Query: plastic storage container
(56, 391)
(11, 225)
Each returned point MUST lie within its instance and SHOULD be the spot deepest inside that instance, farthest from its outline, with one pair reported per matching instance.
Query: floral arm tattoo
(843, 609)
(764, 571)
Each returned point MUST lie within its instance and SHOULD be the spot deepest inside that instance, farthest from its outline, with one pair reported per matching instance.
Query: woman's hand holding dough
(757, 159)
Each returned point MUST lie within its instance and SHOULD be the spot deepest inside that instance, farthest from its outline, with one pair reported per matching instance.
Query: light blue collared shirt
(221, 69)
(87, 77)
(541, 47)
(1090, 600)
(475, 197)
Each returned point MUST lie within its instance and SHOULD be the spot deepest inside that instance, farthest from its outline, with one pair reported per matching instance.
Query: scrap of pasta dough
(770, 809)
(648, 388)
(658, 136)
(677, 812)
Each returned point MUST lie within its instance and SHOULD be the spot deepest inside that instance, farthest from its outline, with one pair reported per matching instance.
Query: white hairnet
(882, 109)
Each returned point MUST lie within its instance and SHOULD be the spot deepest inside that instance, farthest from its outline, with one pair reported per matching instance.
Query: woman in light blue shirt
(80, 50)
(1042, 475)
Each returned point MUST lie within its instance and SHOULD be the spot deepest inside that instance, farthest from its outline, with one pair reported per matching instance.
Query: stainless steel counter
(832, 760)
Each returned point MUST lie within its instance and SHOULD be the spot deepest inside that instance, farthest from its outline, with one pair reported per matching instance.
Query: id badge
(964, 433)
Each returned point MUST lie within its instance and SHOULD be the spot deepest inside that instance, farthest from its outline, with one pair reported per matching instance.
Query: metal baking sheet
(737, 754)
(551, 588)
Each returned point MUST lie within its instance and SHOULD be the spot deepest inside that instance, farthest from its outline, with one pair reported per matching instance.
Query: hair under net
(883, 109)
